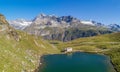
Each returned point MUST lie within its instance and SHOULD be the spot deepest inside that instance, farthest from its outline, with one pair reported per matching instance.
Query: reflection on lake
(76, 62)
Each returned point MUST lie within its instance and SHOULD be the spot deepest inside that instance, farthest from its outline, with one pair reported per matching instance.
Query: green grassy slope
(23, 55)
(20, 52)
(108, 44)
(96, 43)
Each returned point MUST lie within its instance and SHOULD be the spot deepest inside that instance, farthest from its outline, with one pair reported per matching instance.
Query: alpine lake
(76, 62)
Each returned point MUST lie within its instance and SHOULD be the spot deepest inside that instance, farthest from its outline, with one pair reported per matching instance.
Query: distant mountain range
(21, 52)
(20, 23)
(62, 28)
(114, 27)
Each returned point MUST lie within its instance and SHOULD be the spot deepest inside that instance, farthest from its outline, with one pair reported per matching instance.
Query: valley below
(59, 35)
(22, 50)
(108, 44)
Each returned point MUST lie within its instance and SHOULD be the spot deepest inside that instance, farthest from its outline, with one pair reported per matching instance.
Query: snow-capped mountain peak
(114, 27)
(43, 20)
(20, 23)
(87, 22)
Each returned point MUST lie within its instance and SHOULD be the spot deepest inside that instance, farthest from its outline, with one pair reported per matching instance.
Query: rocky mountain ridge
(52, 21)
(65, 28)
(114, 27)
(6, 29)
(55, 21)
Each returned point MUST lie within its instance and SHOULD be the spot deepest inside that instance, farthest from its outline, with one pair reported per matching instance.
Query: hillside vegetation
(108, 44)
(20, 52)
(23, 55)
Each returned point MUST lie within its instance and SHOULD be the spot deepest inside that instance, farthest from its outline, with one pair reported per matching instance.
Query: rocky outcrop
(6, 29)
(3, 20)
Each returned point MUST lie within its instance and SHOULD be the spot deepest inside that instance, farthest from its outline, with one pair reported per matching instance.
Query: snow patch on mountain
(20, 23)
(42, 21)
(87, 22)
(114, 27)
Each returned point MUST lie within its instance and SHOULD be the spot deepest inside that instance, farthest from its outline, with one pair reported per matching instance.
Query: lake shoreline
(113, 65)
(93, 52)
(41, 62)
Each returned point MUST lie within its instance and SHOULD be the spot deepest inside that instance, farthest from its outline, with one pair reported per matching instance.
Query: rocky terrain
(64, 28)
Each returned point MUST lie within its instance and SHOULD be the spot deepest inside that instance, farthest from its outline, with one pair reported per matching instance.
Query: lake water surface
(76, 62)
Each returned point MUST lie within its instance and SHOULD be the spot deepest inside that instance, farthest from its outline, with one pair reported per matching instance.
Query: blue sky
(105, 11)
